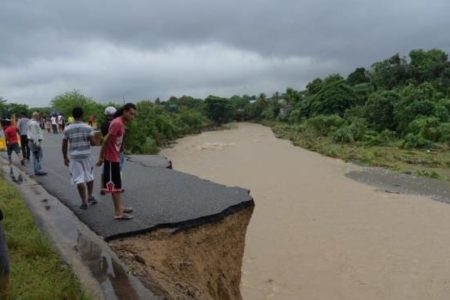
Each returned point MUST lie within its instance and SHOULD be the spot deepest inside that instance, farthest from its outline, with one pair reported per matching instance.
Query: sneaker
(41, 174)
(84, 206)
(92, 200)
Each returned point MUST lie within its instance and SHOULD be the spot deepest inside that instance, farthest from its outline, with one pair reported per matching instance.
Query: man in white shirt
(54, 121)
(22, 125)
(35, 137)
(76, 148)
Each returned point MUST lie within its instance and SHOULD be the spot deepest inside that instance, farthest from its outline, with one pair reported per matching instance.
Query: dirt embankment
(203, 262)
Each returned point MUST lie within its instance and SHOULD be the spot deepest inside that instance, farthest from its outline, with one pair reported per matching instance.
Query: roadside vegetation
(36, 269)
(394, 114)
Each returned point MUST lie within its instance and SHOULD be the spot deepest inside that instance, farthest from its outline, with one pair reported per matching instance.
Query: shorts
(13, 147)
(112, 179)
(81, 170)
(4, 258)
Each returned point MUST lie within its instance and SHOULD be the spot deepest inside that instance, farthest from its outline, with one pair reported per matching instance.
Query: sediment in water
(202, 262)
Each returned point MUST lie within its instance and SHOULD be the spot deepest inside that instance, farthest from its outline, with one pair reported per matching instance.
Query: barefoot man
(110, 157)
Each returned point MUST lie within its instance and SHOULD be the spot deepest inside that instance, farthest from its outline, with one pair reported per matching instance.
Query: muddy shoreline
(397, 183)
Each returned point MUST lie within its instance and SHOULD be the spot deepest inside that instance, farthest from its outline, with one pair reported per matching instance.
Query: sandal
(92, 200)
(127, 210)
(124, 216)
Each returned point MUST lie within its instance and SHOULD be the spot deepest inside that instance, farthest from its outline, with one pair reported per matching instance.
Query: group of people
(78, 137)
(31, 137)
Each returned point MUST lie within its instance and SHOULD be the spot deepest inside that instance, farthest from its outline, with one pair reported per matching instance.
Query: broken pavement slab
(160, 196)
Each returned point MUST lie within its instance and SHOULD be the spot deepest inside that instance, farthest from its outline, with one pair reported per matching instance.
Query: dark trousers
(25, 147)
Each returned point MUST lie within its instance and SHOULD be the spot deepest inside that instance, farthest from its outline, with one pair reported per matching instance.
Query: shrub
(324, 125)
(426, 128)
(412, 141)
(343, 135)
(444, 133)
(384, 138)
(353, 132)
(149, 147)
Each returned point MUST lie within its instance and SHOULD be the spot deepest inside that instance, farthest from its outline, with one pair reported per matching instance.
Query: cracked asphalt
(161, 197)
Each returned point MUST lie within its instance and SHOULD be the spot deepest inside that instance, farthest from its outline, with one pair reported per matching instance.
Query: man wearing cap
(110, 111)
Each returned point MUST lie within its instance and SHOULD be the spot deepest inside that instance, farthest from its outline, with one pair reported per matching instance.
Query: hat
(110, 110)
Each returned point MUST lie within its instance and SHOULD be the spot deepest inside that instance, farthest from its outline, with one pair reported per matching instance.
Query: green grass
(36, 270)
(433, 163)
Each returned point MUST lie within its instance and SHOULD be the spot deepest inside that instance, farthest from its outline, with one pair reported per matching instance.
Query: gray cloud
(147, 49)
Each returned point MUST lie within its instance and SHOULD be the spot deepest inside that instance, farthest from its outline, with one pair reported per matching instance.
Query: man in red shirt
(110, 157)
(12, 141)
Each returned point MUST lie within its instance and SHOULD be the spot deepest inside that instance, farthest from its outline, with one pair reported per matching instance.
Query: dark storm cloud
(146, 49)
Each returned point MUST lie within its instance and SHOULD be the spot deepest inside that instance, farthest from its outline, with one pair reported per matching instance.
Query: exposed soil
(198, 263)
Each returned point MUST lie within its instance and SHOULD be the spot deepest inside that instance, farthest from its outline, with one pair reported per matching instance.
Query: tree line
(401, 101)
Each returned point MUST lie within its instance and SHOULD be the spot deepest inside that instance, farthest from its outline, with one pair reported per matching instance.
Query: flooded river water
(316, 234)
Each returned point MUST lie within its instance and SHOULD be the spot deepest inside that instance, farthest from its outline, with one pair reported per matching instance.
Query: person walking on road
(35, 139)
(22, 125)
(110, 111)
(61, 122)
(110, 158)
(77, 141)
(70, 120)
(54, 121)
(12, 141)
(48, 125)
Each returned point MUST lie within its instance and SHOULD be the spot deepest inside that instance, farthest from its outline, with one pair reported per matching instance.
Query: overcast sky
(142, 49)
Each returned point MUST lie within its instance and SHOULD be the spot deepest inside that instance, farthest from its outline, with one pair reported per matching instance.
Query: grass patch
(36, 270)
(433, 163)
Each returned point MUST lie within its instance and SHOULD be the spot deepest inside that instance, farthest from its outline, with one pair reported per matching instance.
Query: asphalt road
(161, 197)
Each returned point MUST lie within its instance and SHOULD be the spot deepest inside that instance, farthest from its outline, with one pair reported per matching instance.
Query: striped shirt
(78, 135)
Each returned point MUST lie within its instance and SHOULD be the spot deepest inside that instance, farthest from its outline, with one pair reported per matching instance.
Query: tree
(218, 109)
(415, 102)
(427, 65)
(379, 110)
(292, 96)
(314, 86)
(360, 75)
(391, 72)
(335, 97)
(66, 102)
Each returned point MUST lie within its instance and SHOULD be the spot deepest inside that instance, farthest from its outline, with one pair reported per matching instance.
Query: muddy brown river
(316, 234)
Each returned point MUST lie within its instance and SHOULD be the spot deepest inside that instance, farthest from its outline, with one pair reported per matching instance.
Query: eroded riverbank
(317, 234)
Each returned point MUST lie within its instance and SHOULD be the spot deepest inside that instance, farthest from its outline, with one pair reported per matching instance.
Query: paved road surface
(160, 196)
